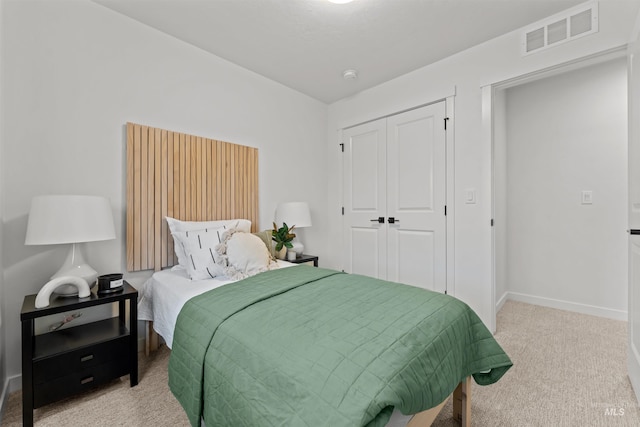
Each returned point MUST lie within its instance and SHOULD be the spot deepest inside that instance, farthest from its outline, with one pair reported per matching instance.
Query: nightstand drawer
(79, 360)
(78, 381)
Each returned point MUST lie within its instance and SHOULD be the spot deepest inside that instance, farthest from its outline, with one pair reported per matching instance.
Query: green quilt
(305, 346)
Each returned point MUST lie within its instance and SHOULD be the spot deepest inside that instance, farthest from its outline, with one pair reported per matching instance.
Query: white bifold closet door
(395, 196)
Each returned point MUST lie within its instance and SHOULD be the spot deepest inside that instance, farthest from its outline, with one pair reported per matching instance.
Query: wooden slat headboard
(185, 177)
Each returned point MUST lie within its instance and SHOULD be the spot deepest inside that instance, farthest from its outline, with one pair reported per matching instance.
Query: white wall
(75, 73)
(566, 134)
(466, 73)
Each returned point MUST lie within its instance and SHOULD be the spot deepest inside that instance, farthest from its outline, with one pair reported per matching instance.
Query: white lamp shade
(293, 213)
(69, 219)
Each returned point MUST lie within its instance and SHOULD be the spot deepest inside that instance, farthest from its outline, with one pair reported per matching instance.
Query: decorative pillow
(266, 237)
(243, 255)
(176, 226)
(198, 247)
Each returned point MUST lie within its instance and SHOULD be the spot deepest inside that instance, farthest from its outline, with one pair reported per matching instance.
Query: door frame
(490, 96)
(633, 91)
(449, 182)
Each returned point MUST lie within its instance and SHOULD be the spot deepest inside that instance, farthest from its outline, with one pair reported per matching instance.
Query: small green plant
(283, 236)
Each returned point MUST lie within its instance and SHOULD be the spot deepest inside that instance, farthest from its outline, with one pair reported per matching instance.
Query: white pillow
(199, 249)
(243, 255)
(176, 226)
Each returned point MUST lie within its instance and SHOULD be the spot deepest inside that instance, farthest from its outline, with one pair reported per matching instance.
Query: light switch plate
(587, 197)
(470, 196)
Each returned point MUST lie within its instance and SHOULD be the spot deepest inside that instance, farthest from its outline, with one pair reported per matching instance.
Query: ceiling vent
(577, 22)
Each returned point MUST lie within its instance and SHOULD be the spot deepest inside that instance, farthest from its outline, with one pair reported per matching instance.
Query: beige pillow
(243, 255)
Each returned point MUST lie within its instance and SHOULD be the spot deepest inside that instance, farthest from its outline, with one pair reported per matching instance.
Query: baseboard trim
(10, 385)
(633, 365)
(15, 383)
(592, 310)
(3, 399)
(501, 301)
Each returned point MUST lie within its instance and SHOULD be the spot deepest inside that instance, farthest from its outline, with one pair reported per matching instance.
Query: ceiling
(307, 44)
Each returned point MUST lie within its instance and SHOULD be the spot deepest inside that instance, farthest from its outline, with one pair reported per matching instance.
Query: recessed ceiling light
(350, 74)
(340, 1)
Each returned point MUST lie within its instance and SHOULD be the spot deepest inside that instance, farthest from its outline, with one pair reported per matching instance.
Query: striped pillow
(199, 249)
(176, 226)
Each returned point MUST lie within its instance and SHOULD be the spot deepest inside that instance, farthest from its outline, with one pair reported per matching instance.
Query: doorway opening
(559, 142)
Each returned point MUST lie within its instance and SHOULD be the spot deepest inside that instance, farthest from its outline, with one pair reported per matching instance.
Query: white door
(634, 215)
(416, 193)
(365, 194)
(410, 180)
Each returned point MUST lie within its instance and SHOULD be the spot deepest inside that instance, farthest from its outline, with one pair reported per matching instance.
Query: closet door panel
(416, 195)
(365, 199)
(412, 156)
(412, 248)
(366, 177)
(365, 249)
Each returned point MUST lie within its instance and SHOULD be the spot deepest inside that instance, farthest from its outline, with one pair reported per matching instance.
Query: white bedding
(164, 294)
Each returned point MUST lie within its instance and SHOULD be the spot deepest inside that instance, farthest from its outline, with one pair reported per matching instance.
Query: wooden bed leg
(426, 418)
(462, 402)
(151, 339)
(461, 408)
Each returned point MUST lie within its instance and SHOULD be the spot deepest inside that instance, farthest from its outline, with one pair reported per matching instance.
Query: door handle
(634, 231)
(380, 220)
(392, 220)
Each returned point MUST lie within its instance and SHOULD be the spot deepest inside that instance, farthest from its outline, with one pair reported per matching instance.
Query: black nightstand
(61, 363)
(306, 259)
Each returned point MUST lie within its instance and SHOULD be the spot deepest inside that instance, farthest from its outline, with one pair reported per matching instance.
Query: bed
(196, 179)
(165, 293)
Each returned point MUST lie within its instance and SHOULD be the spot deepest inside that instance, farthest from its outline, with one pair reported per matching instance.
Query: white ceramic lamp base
(74, 266)
(298, 248)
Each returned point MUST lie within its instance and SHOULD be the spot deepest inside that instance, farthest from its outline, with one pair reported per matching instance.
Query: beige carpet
(569, 370)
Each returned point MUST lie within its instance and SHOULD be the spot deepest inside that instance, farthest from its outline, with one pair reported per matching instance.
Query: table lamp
(294, 213)
(63, 219)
